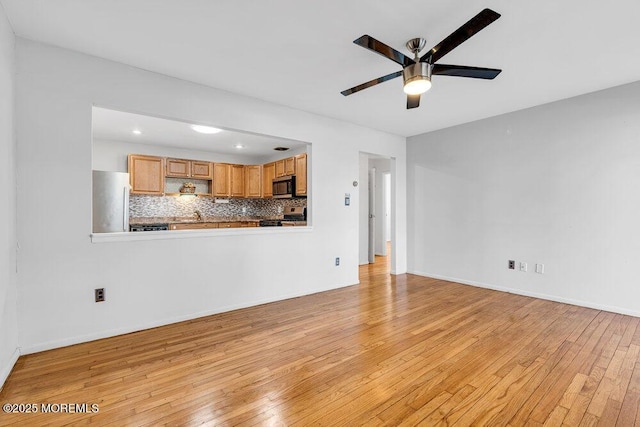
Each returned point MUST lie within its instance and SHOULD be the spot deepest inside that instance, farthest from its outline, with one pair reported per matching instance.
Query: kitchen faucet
(198, 215)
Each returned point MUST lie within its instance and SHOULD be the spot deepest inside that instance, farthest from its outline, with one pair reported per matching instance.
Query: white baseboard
(548, 297)
(6, 370)
(35, 348)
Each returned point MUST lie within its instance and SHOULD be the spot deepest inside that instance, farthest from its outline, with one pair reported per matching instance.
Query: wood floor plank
(394, 350)
(556, 417)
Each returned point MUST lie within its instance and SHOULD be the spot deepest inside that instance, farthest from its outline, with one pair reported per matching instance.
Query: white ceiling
(114, 125)
(300, 53)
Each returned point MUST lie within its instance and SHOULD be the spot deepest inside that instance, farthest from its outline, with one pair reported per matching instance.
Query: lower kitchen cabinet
(208, 225)
(229, 224)
(193, 226)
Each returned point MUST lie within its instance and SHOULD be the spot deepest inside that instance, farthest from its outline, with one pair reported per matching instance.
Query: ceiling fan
(417, 72)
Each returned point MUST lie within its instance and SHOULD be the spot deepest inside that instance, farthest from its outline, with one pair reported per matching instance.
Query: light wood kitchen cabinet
(301, 174)
(181, 168)
(201, 170)
(146, 174)
(194, 226)
(210, 225)
(285, 167)
(221, 179)
(228, 180)
(279, 167)
(229, 224)
(289, 166)
(237, 180)
(268, 173)
(252, 181)
(178, 168)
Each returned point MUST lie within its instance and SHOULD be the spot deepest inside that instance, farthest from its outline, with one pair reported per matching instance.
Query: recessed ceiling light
(205, 129)
(239, 146)
(136, 131)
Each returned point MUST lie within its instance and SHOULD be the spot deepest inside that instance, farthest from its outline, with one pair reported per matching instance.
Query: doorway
(376, 212)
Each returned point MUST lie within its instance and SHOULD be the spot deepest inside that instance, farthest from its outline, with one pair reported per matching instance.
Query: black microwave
(284, 187)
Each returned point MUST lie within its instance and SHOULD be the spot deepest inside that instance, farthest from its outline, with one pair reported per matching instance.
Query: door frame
(371, 241)
(364, 200)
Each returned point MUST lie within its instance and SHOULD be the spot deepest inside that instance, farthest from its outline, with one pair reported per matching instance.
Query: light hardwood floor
(395, 350)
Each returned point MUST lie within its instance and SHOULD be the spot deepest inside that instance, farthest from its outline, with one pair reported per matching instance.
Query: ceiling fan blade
(371, 83)
(413, 101)
(377, 46)
(459, 36)
(463, 71)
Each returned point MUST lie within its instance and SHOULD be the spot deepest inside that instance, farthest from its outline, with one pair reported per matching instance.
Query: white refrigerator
(110, 201)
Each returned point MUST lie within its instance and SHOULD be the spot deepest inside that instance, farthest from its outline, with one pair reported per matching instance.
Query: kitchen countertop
(193, 220)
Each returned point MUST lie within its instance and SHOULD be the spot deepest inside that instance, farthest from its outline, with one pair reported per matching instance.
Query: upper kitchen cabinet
(253, 181)
(285, 167)
(228, 180)
(146, 174)
(201, 170)
(268, 174)
(301, 174)
(289, 166)
(237, 180)
(221, 179)
(180, 168)
(279, 168)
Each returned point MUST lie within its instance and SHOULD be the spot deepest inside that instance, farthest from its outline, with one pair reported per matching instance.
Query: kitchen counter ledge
(189, 234)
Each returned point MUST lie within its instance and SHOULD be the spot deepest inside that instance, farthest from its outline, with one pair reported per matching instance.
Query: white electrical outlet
(523, 266)
(540, 268)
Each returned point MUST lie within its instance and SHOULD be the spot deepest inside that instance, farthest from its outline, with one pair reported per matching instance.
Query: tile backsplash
(170, 206)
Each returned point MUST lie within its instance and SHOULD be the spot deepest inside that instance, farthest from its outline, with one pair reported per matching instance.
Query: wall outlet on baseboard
(512, 264)
(99, 294)
(337, 261)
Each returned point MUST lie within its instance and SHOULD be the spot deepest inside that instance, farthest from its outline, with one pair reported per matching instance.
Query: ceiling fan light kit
(416, 73)
(417, 78)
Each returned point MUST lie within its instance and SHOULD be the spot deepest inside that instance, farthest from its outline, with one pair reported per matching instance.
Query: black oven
(284, 187)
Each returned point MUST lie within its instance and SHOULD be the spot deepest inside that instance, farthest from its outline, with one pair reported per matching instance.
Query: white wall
(8, 294)
(557, 184)
(60, 267)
